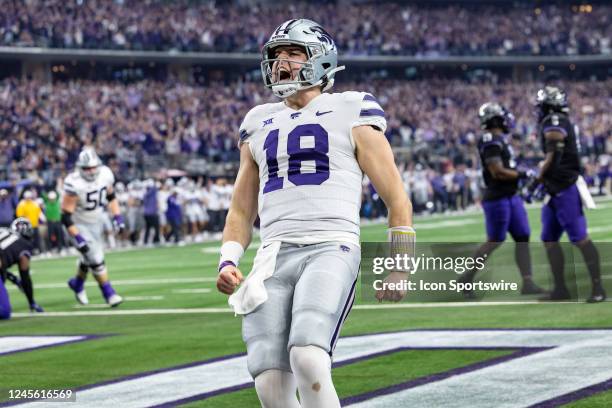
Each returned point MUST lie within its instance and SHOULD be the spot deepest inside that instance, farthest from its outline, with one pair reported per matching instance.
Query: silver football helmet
(319, 68)
(552, 98)
(88, 163)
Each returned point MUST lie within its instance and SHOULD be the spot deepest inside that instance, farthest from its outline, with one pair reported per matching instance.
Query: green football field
(173, 318)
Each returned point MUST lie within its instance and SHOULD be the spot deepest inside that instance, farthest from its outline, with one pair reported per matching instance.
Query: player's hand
(393, 295)
(81, 244)
(229, 278)
(119, 224)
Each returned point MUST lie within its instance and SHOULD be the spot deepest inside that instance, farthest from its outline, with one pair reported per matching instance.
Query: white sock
(311, 367)
(276, 389)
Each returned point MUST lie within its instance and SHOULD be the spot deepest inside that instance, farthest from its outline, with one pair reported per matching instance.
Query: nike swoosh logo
(322, 113)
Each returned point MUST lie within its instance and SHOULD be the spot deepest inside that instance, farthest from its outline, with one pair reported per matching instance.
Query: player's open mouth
(284, 75)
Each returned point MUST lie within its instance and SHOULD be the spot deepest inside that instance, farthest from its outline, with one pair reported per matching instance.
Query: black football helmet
(22, 227)
(494, 115)
(551, 99)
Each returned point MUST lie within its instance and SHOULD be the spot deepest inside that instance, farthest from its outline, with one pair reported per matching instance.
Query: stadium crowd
(363, 29)
(43, 126)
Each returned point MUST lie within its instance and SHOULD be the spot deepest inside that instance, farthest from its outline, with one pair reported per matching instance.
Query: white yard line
(189, 291)
(208, 310)
(126, 282)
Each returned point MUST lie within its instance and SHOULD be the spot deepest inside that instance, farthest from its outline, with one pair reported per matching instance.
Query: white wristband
(231, 251)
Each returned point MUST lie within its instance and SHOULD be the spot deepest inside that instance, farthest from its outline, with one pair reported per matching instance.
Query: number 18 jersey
(309, 178)
(91, 195)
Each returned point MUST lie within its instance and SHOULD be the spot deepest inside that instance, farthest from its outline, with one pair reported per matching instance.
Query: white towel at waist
(252, 292)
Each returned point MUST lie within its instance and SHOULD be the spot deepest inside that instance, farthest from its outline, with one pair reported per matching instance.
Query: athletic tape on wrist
(231, 251)
(402, 241)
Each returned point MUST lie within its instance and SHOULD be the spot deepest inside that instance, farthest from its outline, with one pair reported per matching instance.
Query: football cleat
(467, 277)
(557, 295)
(530, 288)
(35, 307)
(114, 300)
(81, 295)
(598, 295)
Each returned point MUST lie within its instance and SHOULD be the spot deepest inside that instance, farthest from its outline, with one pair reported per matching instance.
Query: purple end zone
(84, 338)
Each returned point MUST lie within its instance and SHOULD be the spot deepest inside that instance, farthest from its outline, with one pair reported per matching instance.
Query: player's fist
(229, 278)
(396, 294)
(81, 244)
(119, 223)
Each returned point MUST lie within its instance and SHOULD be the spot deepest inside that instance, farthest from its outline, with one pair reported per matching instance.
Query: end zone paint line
(207, 310)
(18, 344)
(482, 383)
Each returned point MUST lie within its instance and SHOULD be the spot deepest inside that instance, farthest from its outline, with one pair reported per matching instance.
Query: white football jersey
(310, 181)
(91, 195)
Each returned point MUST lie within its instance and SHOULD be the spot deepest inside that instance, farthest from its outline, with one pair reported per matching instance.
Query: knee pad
(524, 238)
(308, 362)
(98, 269)
(82, 266)
(276, 389)
(265, 353)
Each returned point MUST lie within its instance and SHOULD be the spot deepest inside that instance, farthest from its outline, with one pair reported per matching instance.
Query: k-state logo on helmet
(322, 35)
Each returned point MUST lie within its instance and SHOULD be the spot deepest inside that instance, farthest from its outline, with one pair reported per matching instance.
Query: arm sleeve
(370, 113)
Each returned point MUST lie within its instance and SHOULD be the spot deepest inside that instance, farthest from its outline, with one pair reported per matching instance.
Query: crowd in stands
(370, 28)
(43, 126)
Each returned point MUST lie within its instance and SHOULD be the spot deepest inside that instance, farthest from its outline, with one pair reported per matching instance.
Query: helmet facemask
(274, 69)
(89, 173)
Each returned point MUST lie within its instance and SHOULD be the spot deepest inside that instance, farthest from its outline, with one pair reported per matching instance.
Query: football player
(503, 208)
(16, 249)
(301, 165)
(563, 212)
(86, 192)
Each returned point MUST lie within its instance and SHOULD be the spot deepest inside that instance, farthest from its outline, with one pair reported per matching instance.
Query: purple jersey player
(563, 212)
(503, 208)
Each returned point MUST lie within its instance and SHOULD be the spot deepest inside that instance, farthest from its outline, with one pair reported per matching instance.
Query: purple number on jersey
(271, 147)
(297, 155)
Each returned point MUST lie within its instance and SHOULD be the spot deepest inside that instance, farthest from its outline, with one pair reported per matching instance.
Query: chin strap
(286, 90)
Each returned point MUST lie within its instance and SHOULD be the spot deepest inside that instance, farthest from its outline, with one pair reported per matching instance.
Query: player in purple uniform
(563, 212)
(504, 209)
